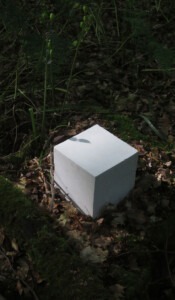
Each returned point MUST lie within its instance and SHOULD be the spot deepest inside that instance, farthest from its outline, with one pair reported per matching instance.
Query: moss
(66, 275)
(125, 127)
(127, 131)
(17, 213)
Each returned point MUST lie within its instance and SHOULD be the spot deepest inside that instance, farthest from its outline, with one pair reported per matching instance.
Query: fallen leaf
(75, 235)
(11, 253)
(154, 219)
(100, 221)
(128, 205)
(19, 287)
(119, 219)
(95, 255)
(147, 182)
(137, 216)
(151, 208)
(118, 291)
(102, 241)
(165, 203)
(168, 163)
(62, 220)
(14, 245)
(23, 268)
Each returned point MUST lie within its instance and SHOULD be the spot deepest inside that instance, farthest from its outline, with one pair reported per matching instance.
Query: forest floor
(132, 244)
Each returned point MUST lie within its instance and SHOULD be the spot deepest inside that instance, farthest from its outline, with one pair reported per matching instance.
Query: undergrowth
(65, 59)
(42, 44)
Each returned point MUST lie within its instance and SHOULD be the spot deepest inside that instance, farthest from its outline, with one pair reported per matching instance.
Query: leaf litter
(108, 239)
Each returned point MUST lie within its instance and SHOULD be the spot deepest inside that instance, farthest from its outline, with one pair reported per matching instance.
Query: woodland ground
(119, 74)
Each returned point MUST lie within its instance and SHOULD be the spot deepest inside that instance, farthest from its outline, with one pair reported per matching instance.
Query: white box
(95, 168)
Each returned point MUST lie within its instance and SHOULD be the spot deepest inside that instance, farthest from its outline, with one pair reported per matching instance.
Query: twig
(22, 280)
(168, 266)
(30, 289)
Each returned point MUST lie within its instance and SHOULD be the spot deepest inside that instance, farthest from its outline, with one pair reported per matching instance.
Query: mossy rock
(66, 275)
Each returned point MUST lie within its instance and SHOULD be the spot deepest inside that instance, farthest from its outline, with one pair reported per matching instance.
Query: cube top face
(96, 150)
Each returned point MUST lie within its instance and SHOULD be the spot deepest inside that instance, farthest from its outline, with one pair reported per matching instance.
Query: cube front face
(76, 183)
(95, 168)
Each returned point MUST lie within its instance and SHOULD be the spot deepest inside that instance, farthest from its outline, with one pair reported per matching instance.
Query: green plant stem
(157, 4)
(117, 50)
(73, 64)
(156, 131)
(71, 72)
(32, 121)
(25, 96)
(116, 17)
(158, 70)
(45, 98)
(16, 84)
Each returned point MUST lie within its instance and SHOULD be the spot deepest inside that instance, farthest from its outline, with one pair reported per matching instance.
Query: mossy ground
(66, 275)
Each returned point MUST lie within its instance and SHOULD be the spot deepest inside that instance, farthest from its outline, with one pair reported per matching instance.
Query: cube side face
(76, 183)
(115, 184)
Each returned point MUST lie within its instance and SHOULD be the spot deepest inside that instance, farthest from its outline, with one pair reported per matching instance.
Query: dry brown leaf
(168, 163)
(118, 291)
(151, 208)
(75, 235)
(164, 123)
(100, 221)
(23, 268)
(14, 245)
(62, 220)
(11, 253)
(119, 219)
(163, 174)
(147, 182)
(154, 219)
(37, 277)
(19, 287)
(102, 241)
(128, 205)
(165, 203)
(95, 255)
(133, 263)
(137, 216)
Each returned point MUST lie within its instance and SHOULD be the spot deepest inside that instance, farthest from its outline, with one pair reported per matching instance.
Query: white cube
(95, 168)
